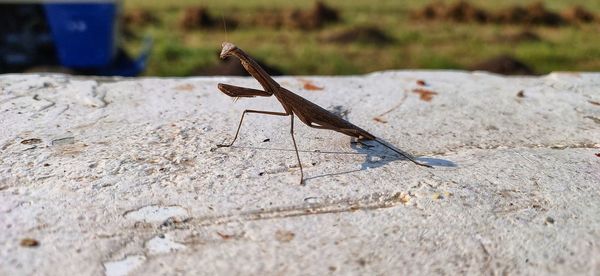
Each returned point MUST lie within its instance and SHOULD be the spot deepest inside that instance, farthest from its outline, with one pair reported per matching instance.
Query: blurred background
(334, 37)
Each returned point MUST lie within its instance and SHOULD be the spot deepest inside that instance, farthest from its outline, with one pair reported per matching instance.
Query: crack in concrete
(595, 119)
(51, 104)
(9, 99)
(370, 202)
(62, 111)
(99, 95)
(379, 118)
(91, 123)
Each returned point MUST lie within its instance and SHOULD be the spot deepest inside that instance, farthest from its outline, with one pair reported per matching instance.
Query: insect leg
(296, 148)
(242, 119)
(238, 92)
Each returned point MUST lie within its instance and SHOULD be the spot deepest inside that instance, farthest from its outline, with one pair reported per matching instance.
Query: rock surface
(118, 176)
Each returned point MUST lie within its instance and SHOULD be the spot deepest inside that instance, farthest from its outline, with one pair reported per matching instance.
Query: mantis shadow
(384, 151)
(377, 155)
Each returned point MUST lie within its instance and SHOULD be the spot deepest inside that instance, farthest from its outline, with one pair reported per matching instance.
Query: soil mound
(361, 34)
(461, 11)
(139, 17)
(200, 18)
(505, 65)
(316, 17)
(577, 14)
(533, 14)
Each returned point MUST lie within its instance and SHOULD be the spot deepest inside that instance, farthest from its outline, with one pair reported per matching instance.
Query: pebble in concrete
(123, 267)
(154, 214)
(162, 243)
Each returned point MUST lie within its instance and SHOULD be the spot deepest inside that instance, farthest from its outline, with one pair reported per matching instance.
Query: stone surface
(118, 176)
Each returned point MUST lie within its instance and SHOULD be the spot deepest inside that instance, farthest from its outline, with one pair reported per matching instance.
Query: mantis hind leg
(296, 148)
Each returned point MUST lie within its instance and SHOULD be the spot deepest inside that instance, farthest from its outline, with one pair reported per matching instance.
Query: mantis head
(227, 50)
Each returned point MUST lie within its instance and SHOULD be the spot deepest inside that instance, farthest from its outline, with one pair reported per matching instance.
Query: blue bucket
(84, 33)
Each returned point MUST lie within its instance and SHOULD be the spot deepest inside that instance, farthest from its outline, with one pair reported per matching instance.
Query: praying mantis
(309, 113)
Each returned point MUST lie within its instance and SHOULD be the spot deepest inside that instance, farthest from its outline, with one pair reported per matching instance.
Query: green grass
(431, 45)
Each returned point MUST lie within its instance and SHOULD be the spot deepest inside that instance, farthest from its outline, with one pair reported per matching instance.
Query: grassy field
(436, 44)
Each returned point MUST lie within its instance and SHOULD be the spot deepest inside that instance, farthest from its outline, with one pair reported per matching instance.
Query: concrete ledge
(118, 176)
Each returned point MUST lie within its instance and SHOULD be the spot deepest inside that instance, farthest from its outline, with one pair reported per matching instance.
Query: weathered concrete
(122, 175)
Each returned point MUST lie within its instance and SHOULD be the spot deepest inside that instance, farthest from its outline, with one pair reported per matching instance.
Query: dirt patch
(361, 34)
(268, 18)
(424, 94)
(505, 65)
(196, 17)
(309, 85)
(520, 36)
(533, 14)
(316, 17)
(461, 11)
(29, 242)
(429, 12)
(511, 15)
(184, 87)
(232, 67)
(323, 13)
(139, 17)
(200, 18)
(135, 18)
(525, 35)
(577, 14)
(284, 235)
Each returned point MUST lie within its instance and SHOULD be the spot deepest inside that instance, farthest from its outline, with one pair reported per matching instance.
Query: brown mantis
(308, 112)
